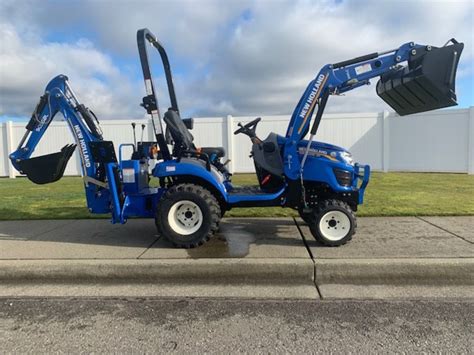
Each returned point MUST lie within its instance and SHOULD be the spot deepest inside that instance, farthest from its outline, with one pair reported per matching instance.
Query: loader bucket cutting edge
(427, 83)
(47, 168)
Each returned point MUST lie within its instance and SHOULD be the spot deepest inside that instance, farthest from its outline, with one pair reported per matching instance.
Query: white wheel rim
(185, 217)
(334, 225)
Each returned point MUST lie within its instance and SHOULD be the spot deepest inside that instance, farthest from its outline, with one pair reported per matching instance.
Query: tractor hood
(321, 146)
(326, 150)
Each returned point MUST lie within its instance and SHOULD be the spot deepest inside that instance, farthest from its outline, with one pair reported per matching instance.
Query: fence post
(230, 142)
(9, 148)
(385, 141)
(470, 145)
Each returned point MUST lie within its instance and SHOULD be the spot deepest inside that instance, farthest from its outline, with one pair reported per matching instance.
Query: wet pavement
(242, 238)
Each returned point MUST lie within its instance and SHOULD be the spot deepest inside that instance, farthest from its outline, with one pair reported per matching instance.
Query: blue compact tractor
(319, 180)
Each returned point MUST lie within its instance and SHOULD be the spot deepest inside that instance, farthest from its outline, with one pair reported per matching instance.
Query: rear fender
(192, 168)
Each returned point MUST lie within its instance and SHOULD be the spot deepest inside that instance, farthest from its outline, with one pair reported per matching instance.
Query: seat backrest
(267, 155)
(183, 139)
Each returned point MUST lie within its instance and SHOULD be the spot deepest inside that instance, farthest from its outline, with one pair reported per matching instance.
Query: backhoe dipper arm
(344, 76)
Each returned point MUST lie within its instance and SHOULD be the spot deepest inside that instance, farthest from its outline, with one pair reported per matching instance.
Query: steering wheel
(249, 128)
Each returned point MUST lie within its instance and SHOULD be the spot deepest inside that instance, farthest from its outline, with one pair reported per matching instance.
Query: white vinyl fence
(437, 141)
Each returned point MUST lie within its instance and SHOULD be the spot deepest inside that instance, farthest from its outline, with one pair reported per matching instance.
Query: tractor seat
(183, 139)
(218, 151)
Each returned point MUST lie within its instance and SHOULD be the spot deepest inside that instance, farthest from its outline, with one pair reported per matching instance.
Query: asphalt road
(223, 326)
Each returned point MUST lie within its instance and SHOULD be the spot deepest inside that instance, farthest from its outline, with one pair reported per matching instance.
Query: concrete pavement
(249, 257)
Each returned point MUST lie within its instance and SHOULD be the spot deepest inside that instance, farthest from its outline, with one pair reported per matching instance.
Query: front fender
(193, 168)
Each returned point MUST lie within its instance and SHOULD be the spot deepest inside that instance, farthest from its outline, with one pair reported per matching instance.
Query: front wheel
(306, 216)
(334, 223)
(187, 215)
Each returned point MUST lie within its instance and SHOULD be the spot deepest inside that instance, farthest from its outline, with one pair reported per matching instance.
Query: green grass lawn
(388, 194)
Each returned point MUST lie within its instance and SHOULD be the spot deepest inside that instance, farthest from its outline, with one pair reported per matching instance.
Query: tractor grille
(343, 177)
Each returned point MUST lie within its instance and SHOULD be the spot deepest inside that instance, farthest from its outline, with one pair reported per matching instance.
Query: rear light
(343, 177)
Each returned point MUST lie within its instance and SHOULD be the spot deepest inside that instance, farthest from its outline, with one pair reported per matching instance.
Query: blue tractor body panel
(192, 168)
(141, 205)
(322, 161)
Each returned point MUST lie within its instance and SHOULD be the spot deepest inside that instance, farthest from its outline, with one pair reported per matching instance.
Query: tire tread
(327, 204)
(209, 199)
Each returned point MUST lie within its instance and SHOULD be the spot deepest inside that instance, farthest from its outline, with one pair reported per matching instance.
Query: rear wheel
(187, 215)
(333, 223)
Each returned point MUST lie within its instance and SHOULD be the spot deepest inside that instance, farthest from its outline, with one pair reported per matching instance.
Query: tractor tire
(333, 223)
(306, 216)
(187, 215)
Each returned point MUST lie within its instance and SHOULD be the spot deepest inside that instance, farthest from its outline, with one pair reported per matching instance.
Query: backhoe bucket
(47, 168)
(427, 83)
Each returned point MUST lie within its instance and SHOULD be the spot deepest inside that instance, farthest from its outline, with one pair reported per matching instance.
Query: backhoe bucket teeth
(427, 83)
(47, 168)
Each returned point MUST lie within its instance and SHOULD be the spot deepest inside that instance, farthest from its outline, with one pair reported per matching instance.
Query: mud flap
(47, 168)
(427, 83)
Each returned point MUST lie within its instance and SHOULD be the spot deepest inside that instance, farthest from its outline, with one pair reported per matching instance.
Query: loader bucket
(47, 168)
(427, 83)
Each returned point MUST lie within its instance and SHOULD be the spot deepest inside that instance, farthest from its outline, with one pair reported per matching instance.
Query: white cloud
(27, 64)
(241, 57)
(270, 59)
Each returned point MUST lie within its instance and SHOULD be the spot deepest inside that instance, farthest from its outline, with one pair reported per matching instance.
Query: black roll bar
(150, 102)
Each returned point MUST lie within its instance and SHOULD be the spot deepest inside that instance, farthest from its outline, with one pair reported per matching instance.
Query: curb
(241, 278)
(171, 271)
(395, 272)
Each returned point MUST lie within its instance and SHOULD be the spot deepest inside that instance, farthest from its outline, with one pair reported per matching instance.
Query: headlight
(343, 177)
(347, 158)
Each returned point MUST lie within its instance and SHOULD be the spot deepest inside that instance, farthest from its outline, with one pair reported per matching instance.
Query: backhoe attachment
(427, 83)
(84, 125)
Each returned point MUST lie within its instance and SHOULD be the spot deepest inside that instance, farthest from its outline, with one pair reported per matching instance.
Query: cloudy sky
(228, 57)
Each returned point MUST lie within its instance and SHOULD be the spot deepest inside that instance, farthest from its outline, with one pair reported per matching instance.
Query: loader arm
(425, 82)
